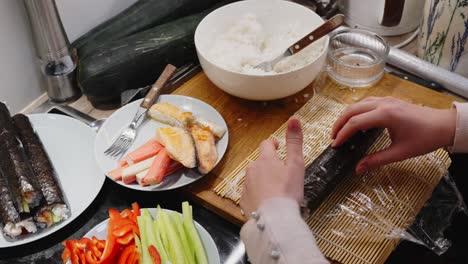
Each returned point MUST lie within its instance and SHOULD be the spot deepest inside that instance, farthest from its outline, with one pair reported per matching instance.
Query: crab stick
(116, 174)
(129, 173)
(175, 166)
(158, 168)
(147, 150)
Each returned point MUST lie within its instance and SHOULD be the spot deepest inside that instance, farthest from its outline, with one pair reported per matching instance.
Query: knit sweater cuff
(460, 142)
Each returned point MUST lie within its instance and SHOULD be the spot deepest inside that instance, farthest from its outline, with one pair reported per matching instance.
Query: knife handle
(155, 90)
(319, 32)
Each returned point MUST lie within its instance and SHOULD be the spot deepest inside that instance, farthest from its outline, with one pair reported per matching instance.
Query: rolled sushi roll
(18, 174)
(14, 224)
(54, 209)
(6, 123)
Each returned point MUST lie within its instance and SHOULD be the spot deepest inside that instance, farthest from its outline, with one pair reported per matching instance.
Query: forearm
(280, 235)
(460, 142)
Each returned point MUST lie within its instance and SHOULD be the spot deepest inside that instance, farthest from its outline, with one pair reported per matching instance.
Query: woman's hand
(270, 177)
(414, 130)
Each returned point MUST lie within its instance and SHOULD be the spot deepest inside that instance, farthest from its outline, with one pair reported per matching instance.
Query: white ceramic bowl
(271, 14)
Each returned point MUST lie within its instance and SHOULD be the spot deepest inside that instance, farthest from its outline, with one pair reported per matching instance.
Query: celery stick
(192, 234)
(138, 247)
(175, 246)
(159, 244)
(146, 258)
(163, 233)
(179, 225)
(160, 226)
(154, 238)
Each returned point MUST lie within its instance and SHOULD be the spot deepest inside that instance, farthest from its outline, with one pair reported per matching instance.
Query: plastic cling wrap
(364, 218)
(381, 207)
(368, 217)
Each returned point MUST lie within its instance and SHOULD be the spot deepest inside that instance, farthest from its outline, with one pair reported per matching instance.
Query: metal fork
(128, 135)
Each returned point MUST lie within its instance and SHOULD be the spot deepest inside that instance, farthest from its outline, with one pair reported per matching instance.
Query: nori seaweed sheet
(17, 171)
(8, 211)
(41, 164)
(437, 215)
(327, 170)
(6, 123)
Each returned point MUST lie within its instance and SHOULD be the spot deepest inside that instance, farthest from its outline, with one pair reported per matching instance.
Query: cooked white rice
(247, 44)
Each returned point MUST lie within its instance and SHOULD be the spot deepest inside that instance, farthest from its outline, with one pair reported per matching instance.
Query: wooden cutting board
(251, 122)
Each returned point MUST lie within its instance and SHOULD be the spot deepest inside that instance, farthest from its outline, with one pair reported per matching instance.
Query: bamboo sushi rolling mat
(354, 223)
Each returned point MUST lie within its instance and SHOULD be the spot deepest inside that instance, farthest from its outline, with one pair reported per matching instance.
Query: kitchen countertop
(226, 235)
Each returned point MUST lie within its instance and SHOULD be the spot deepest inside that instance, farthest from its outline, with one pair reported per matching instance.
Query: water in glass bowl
(355, 66)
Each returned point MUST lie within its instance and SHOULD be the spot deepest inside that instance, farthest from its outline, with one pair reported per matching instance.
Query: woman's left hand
(270, 177)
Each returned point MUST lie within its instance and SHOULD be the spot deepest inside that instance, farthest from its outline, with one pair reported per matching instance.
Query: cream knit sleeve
(277, 234)
(460, 143)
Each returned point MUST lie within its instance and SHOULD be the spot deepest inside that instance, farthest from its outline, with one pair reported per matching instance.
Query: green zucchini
(142, 15)
(137, 60)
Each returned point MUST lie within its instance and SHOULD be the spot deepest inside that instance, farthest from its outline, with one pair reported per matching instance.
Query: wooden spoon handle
(154, 92)
(319, 32)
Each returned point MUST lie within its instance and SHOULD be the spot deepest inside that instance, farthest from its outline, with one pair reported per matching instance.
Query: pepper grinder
(56, 60)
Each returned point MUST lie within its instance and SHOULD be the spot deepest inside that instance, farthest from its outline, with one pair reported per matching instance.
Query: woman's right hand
(414, 130)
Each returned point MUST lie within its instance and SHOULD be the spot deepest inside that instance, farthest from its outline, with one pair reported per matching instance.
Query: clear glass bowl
(356, 58)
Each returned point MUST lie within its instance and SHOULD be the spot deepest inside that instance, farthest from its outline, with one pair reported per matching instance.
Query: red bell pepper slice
(82, 243)
(134, 258)
(70, 244)
(101, 244)
(114, 214)
(91, 258)
(125, 240)
(121, 222)
(111, 248)
(136, 209)
(66, 255)
(127, 213)
(126, 254)
(82, 257)
(125, 229)
(96, 251)
(75, 259)
(154, 254)
(97, 246)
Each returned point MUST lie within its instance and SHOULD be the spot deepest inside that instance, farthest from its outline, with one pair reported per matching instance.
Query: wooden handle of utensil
(154, 92)
(319, 32)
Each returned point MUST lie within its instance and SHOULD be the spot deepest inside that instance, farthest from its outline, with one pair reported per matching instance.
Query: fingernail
(333, 144)
(362, 169)
(294, 124)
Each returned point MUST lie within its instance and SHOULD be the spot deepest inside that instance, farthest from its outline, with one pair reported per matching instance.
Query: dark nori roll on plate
(53, 209)
(18, 174)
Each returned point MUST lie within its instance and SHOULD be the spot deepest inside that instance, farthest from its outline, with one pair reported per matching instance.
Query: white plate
(100, 232)
(122, 117)
(69, 144)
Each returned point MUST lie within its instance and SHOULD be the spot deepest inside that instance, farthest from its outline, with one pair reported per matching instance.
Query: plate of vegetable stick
(181, 140)
(145, 236)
